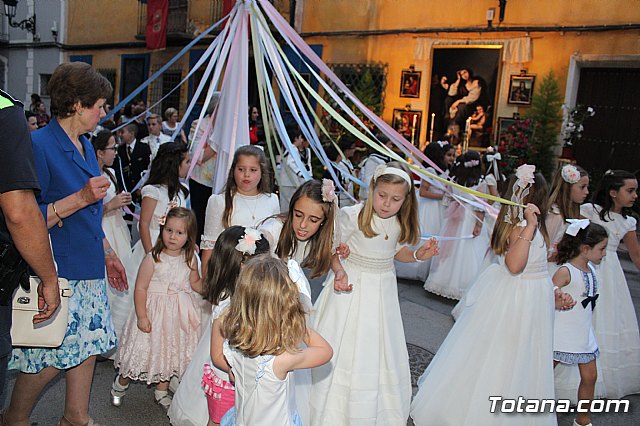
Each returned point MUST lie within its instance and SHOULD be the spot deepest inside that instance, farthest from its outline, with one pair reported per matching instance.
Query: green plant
(514, 145)
(546, 114)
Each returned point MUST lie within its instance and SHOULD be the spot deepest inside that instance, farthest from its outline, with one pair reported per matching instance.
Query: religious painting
(407, 123)
(503, 126)
(410, 84)
(521, 89)
(463, 92)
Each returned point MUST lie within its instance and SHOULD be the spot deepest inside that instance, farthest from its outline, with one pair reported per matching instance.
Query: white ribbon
(493, 159)
(576, 225)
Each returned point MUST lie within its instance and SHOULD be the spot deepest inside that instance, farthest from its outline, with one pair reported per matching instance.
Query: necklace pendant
(386, 237)
(253, 217)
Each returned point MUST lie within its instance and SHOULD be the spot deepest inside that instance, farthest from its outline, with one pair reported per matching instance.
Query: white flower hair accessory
(576, 225)
(442, 143)
(382, 169)
(329, 191)
(247, 244)
(525, 178)
(471, 163)
(570, 174)
(172, 204)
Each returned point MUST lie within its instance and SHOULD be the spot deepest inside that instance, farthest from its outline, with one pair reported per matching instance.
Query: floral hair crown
(525, 178)
(329, 191)
(247, 243)
(570, 174)
(471, 163)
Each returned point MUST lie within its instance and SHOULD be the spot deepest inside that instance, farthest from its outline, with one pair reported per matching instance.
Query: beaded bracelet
(416, 257)
(523, 238)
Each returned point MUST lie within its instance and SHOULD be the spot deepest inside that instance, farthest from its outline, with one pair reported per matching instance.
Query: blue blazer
(62, 171)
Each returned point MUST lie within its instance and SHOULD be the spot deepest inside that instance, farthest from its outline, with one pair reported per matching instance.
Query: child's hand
(341, 282)
(428, 249)
(563, 301)
(477, 229)
(531, 213)
(144, 325)
(343, 251)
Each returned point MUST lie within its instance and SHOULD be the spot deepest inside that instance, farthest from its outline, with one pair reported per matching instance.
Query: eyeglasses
(113, 148)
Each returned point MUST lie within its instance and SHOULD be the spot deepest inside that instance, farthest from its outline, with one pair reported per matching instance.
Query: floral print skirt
(89, 332)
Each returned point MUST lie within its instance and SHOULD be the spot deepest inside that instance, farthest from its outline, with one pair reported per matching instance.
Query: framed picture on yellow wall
(410, 84)
(407, 123)
(521, 89)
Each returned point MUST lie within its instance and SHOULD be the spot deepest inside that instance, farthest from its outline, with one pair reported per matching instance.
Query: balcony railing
(180, 24)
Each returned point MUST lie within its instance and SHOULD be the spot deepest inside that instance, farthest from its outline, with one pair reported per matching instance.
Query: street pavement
(427, 320)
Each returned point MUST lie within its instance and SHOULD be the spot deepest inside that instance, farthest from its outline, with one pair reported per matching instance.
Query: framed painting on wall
(521, 89)
(503, 125)
(410, 84)
(407, 123)
(464, 81)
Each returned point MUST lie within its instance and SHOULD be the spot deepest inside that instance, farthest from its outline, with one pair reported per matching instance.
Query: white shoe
(117, 392)
(173, 384)
(163, 399)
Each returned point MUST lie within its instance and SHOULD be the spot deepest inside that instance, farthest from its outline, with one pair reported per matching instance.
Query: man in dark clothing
(23, 232)
(133, 159)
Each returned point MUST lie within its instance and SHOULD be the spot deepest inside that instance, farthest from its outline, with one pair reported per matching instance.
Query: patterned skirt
(89, 332)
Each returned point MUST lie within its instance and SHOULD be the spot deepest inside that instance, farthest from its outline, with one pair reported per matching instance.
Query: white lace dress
(502, 344)
(614, 318)
(123, 302)
(368, 380)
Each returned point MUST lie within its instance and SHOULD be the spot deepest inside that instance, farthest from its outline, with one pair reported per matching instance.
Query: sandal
(163, 399)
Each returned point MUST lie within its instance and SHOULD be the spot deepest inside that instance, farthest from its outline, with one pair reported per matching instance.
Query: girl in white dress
(247, 199)
(430, 206)
(569, 189)
(615, 319)
(574, 341)
(113, 224)
(368, 380)
(161, 192)
(502, 344)
(460, 261)
(258, 341)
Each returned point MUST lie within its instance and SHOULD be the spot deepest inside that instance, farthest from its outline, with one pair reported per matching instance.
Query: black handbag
(14, 272)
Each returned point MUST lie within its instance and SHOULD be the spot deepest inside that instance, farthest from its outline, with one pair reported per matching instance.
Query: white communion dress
(614, 319)
(501, 345)
(368, 380)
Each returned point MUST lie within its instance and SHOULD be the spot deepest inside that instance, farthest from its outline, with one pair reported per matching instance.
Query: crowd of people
(206, 296)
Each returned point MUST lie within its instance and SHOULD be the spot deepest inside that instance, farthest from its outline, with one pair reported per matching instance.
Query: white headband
(382, 169)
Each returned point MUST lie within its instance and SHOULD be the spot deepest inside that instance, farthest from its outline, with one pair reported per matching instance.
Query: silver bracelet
(416, 257)
(108, 252)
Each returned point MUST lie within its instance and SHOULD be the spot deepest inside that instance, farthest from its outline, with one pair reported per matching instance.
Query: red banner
(157, 16)
(227, 5)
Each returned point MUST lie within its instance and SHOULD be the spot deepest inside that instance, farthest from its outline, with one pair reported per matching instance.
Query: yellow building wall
(551, 51)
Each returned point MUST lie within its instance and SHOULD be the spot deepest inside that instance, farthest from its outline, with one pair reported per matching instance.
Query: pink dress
(174, 311)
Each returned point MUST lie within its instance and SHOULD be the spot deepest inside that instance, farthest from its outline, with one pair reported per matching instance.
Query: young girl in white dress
(502, 344)
(460, 261)
(574, 343)
(368, 379)
(430, 206)
(258, 341)
(163, 331)
(247, 199)
(615, 319)
(161, 192)
(569, 189)
(193, 405)
(113, 224)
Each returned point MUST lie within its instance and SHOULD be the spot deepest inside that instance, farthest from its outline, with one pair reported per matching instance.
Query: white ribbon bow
(576, 225)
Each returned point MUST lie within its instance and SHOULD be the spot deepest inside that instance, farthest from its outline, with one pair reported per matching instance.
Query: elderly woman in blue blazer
(71, 202)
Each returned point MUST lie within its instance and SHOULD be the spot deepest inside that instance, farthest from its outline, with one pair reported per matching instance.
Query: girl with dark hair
(460, 260)
(615, 321)
(247, 199)
(582, 247)
(256, 134)
(161, 193)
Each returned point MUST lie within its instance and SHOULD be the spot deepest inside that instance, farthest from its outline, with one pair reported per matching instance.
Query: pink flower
(328, 191)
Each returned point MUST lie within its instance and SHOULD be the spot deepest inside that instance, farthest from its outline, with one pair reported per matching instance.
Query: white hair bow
(247, 243)
(576, 225)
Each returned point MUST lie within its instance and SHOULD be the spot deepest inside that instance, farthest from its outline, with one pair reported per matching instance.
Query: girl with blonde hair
(258, 342)
(370, 368)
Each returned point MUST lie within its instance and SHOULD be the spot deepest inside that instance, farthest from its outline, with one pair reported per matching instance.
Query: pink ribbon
(188, 314)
